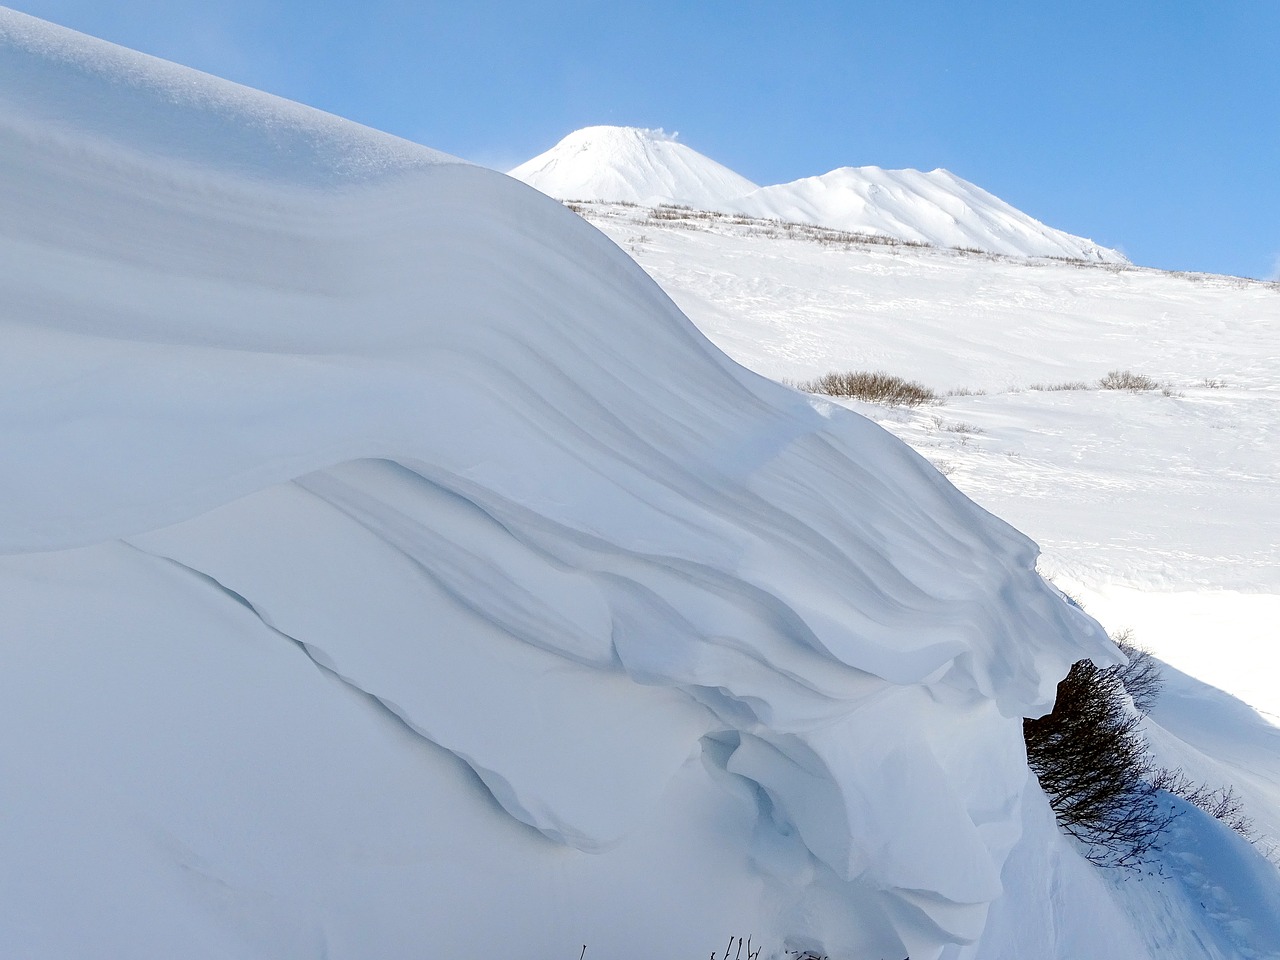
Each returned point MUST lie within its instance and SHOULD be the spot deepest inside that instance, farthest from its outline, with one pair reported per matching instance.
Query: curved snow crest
(438, 435)
(632, 165)
(59, 81)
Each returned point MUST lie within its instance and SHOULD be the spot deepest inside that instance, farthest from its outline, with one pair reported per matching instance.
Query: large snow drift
(392, 570)
(936, 208)
(1156, 508)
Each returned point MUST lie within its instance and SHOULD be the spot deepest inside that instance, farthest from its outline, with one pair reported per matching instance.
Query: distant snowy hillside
(389, 569)
(937, 208)
(632, 165)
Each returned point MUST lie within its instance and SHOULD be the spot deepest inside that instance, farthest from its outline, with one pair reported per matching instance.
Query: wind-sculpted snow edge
(465, 479)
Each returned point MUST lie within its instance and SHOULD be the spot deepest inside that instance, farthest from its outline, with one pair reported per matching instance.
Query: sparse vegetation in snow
(1093, 764)
(1221, 803)
(1140, 677)
(874, 386)
(1056, 387)
(1127, 380)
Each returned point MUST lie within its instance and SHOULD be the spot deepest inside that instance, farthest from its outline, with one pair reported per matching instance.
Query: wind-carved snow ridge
(936, 208)
(739, 658)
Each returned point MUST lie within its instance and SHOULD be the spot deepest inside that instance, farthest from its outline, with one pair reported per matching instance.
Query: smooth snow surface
(937, 208)
(391, 570)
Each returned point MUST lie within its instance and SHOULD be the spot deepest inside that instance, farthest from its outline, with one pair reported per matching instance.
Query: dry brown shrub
(875, 386)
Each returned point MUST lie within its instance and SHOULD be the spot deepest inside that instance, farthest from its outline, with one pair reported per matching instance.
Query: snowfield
(391, 569)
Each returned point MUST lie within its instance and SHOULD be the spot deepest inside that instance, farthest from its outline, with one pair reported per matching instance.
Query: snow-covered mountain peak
(937, 208)
(606, 134)
(634, 165)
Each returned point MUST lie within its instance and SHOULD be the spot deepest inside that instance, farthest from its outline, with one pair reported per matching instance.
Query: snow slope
(1157, 509)
(632, 165)
(936, 208)
(1160, 507)
(391, 570)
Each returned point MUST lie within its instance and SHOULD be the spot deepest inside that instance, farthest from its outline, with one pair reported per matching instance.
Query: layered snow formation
(1156, 508)
(627, 164)
(390, 569)
(631, 165)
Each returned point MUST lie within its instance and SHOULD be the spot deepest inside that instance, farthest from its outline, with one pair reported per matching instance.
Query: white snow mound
(390, 569)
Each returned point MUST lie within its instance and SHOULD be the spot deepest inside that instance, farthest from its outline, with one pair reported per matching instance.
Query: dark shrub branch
(1221, 803)
(1092, 762)
(1140, 677)
(1093, 765)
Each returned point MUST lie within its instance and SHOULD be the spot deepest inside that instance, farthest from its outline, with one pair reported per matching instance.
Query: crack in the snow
(320, 660)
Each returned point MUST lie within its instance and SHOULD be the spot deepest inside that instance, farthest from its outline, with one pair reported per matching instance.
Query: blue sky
(1148, 126)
